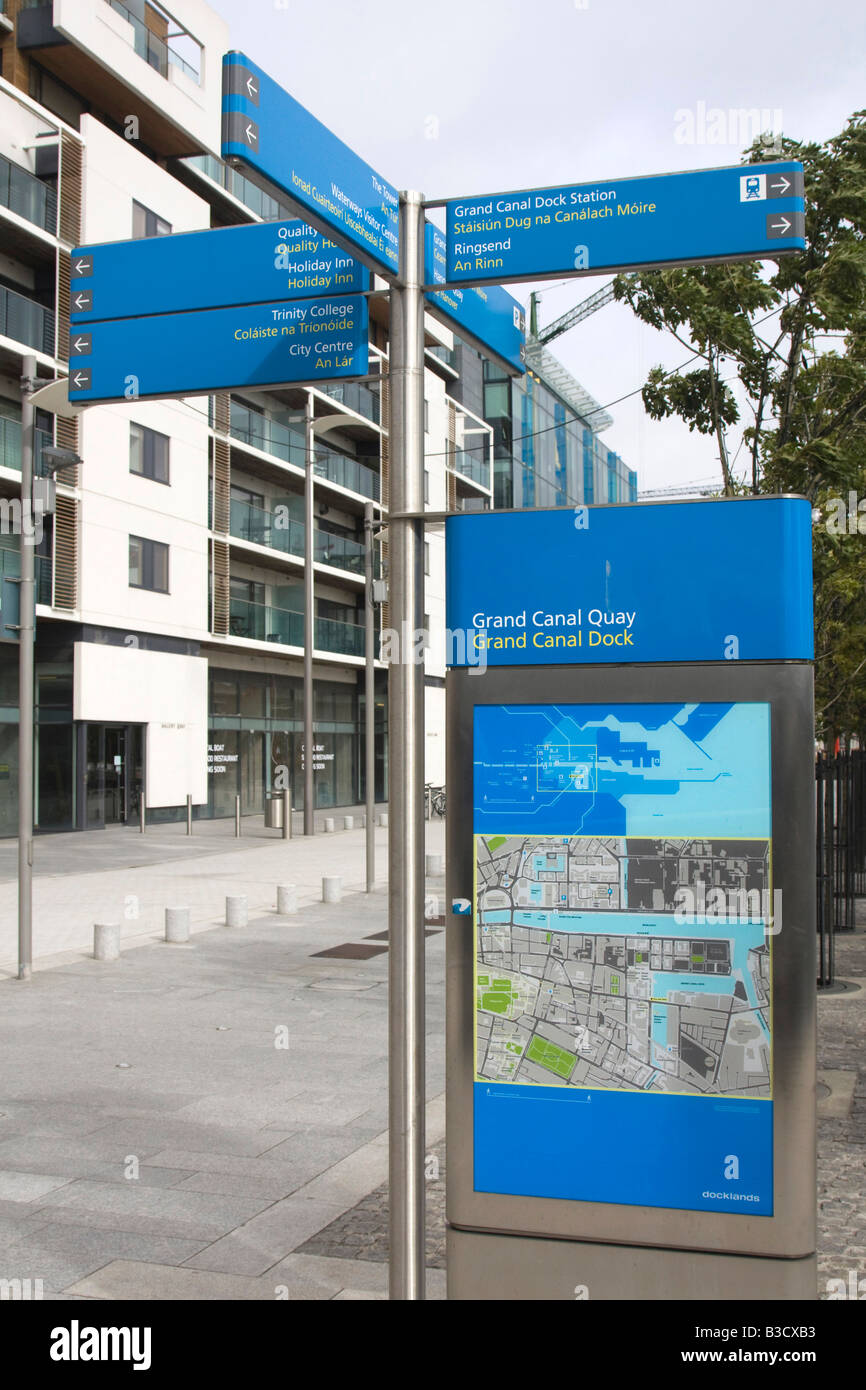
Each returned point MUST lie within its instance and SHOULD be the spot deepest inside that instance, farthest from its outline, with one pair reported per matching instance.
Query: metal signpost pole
(406, 723)
(309, 619)
(26, 657)
(369, 697)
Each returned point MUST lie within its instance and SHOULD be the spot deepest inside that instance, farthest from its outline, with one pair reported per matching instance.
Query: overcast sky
(464, 97)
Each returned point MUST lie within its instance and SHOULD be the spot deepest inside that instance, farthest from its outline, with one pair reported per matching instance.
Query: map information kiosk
(631, 885)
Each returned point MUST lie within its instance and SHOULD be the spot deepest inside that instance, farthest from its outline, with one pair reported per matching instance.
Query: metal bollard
(177, 924)
(189, 815)
(236, 911)
(434, 865)
(329, 824)
(348, 822)
(237, 817)
(332, 889)
(287, 899)
(142, 814)
(287, 814)
(106, 941)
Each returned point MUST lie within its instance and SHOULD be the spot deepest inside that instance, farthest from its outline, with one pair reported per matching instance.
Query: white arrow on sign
(785, 183)
(80, 301)
(81, 267)
(783, 226)
(78, 344)
(80, 379)
(250, 134)
(251, 87)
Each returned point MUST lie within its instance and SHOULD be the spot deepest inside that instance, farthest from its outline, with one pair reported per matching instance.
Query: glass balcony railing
(160, 53)
(346, 472)
(340, 551)
(263, 623)
(356, 396)
(10, 568)
(268, 208)
(249, 523)
(280, 532)
(471, 466)
(21, 192)
(10, 446)
(26, 321)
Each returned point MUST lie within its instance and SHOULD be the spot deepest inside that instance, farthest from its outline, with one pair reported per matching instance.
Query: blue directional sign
(280, 140)
(610, 579)
(490, 318)
(209, 270)
(593, 228)
(293, 341)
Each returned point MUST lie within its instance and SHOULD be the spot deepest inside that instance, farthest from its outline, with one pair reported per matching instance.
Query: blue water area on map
(619, 1146)
(686, 770)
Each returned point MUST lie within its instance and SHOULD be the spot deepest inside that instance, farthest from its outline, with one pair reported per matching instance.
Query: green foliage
(778, 375)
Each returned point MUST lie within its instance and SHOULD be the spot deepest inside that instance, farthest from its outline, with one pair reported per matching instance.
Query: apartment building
(170, 626)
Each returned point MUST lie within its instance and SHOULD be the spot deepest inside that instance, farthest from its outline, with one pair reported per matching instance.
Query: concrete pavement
(100, 877)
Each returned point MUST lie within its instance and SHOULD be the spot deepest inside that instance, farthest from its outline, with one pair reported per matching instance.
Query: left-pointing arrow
(80, 380)
(82, 265)
(79, 343)
(82, 300)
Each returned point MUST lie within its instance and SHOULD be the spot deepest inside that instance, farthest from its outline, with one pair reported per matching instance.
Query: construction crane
(684, 490)
(581, 311)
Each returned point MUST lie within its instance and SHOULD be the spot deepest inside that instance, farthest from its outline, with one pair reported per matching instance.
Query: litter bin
(273, 810)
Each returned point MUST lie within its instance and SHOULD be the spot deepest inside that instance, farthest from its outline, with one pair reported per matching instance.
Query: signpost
(299, 340)
(631, 1026)
(216, 269)
(491, 319)
(278, 139)
(277, 304)
(737, 213)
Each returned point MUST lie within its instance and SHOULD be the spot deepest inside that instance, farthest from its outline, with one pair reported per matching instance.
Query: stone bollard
(434, 865)
(329, 824)
(287, 899)
(348, 822)
(383, 819)
(106, 941)
(236, 912)
(332, 889)
(177, 925)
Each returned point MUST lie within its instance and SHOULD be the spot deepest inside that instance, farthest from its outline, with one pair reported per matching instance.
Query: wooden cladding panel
(66, 553)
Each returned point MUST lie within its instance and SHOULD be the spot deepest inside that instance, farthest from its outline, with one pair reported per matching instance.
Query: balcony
(260, 622)
(284, 443)
(472, 467)
(22, 193)
(346, 472)
(10, 568)
(262, 204)
(26, 321)
(10, 446)
(162, 53)
(279, 532)
(355, 396)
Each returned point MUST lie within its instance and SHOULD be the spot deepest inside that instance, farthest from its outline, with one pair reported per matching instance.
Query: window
(426, 484)
(148, 565)
(426, 557)
(148, 453)
(146, 223)
(426, 417)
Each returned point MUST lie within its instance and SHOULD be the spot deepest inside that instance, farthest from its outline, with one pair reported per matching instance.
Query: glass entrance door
(113, 773)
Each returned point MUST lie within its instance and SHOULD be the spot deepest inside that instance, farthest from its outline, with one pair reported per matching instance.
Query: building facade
(170, 626)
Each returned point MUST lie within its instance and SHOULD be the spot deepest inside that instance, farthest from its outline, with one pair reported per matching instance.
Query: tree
(779, 354)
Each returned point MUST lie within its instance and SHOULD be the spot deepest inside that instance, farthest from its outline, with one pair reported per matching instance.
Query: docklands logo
(77, 1343)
